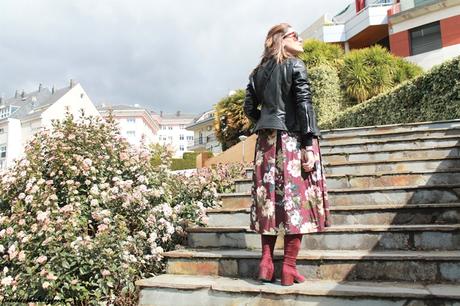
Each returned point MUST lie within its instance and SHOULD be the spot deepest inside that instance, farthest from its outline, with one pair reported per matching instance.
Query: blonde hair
(274, 44)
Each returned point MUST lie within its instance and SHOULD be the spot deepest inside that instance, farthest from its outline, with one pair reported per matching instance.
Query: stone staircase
(395, 240)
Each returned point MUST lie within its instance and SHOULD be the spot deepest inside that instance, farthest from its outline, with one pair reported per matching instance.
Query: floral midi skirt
(283, 200)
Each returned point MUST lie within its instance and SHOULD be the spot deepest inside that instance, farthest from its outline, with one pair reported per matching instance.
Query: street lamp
(242, 139)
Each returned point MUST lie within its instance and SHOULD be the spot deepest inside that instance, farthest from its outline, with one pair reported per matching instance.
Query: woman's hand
(307, 159)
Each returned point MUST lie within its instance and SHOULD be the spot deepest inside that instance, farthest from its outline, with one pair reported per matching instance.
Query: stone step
(444, 213)
(371, 167)
(329, 140)
(391, 144)
(413, 266)
(408, 153)
(391, 128)
(203, 290)
(349, 237)
(378, 179)
(416, 194)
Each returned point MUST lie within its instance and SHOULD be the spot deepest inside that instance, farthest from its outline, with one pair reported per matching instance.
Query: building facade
(425, 32)
(24, 114)
(422, 31)
(172, 131)
(136, 124)
(204, 134)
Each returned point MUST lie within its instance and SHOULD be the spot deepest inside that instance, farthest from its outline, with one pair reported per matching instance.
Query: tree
(230, 122)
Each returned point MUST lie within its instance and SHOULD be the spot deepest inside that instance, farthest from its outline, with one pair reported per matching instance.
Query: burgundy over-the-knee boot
(289, 273)
(266, 266)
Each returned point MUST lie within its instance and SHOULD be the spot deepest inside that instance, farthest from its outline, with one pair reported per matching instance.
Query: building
(425, 32)
(26, 113)
(204, 133)
(422, 31)
(136, 124)
(173, 133)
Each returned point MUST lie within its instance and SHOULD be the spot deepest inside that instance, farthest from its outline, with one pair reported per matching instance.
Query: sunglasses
(292, 34)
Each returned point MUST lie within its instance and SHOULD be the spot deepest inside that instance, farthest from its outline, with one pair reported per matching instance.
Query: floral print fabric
(282, 200)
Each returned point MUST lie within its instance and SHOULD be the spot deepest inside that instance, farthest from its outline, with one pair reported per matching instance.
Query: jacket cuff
(306, 140)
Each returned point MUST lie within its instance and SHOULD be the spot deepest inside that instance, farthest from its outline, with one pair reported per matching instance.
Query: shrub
(188, 161)
(432, 96)
(82, 216)
(370, 71)
(318, 53)
(326, 94)
(230, 121)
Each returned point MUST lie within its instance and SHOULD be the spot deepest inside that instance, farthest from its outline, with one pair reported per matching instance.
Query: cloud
(165, 55)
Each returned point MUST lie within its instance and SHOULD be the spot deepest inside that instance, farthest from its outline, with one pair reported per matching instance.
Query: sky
(163, 55)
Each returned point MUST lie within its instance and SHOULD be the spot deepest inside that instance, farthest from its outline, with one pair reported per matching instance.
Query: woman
(289, 192)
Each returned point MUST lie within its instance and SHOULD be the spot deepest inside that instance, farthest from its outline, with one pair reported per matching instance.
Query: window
(425, 38)
(182, 126)
(163, 127)
(181, 148)
(189, 137)
(2, 130)
(131, 120)
(2, 151)
(131, 133)
(181, 137)
(170, 138)
(170, 128)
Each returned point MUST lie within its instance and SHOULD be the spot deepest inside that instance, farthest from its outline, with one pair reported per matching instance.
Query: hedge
(432, 96)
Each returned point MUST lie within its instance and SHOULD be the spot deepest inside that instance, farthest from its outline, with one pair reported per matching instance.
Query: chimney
(72, 83)
(52, 90)
(16, 94)
(1, 100)
(23, 94)
(39, 87)
(161, 113)
(178, 113)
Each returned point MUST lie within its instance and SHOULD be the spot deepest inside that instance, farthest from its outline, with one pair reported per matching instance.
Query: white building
(136, 124)
(24, 114)
(204, 134)
(173, 133)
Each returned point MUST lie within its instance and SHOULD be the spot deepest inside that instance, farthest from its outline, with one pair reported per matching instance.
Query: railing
(205, 140)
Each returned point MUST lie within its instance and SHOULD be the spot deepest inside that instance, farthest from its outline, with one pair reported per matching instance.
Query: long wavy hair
(274, 44)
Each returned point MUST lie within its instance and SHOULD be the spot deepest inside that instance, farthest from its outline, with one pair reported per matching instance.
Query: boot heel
(287, 280)
(265, 274)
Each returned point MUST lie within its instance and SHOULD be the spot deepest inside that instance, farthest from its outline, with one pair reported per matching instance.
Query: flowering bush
(83, 215)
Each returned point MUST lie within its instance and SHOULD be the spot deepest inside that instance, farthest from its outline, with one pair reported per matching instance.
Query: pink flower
(105, 273)
(42, 259)
(22, 256)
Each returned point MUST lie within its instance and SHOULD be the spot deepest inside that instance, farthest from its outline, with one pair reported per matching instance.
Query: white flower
(308, 227)
(295, 218)
(293, 167)
(268, 209)
(45, 285)
(42, 215)
(7, 281)
(291, 144)
(261, 194)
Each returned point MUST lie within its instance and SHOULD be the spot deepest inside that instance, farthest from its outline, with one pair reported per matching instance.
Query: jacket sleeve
(304, 107)
(251, 103)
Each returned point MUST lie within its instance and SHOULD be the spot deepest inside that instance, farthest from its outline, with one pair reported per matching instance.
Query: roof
(118, 107)
(34, 103)
(205, 117)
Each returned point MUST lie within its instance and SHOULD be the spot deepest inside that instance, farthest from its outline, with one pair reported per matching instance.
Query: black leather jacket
(283, 92)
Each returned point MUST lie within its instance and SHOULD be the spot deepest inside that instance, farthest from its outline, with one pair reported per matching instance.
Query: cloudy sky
(164, 55)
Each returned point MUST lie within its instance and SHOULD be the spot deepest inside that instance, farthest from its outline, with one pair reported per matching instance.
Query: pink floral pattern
(282, 200)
